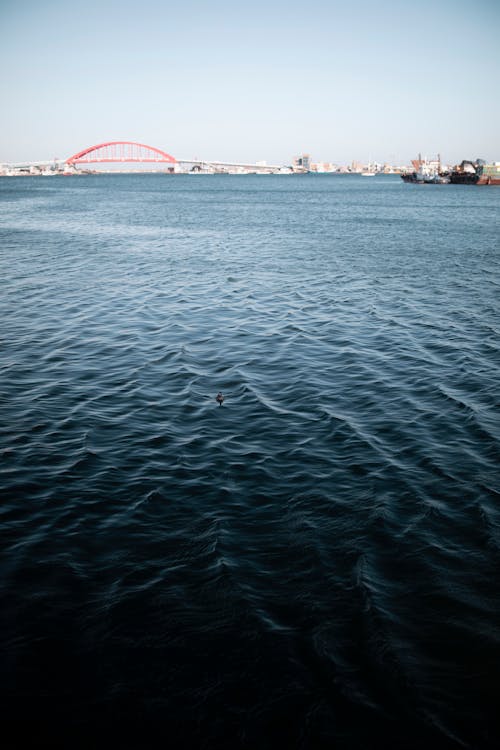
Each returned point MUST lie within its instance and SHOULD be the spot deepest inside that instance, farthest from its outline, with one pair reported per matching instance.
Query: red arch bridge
(120, 151)
(129, 151)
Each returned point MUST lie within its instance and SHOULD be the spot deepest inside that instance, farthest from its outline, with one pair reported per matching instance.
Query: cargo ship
(476, 173)
(426, 172)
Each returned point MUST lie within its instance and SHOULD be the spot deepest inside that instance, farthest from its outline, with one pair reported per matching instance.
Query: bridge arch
(120, 151)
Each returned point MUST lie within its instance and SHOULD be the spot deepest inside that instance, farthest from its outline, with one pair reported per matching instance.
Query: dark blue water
(315, 563)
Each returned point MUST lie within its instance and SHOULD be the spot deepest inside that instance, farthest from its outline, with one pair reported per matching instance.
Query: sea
(314, 564)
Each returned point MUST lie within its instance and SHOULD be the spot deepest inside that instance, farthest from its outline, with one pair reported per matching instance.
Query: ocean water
(314, 564)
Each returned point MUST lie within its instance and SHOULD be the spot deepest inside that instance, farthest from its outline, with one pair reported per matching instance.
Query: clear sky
(266, 79)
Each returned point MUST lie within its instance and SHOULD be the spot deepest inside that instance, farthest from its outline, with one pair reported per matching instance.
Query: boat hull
(488, 180)
(420, 180)
(464, 178)
(412, 178)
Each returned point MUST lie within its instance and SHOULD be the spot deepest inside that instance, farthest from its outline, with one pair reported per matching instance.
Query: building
(302, 163)
(324, 166)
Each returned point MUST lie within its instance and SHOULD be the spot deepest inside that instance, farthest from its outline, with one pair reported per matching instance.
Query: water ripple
(314, 561)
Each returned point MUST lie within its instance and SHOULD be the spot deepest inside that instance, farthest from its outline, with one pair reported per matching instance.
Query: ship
(490, 174)
(476, 172)
(426, 172)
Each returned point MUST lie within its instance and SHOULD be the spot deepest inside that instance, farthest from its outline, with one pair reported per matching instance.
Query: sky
(232, 81)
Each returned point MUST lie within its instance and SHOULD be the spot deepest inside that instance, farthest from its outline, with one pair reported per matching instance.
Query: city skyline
(365, 82)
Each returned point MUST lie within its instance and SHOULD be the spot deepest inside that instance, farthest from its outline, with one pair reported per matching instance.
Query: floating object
(219, 398)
